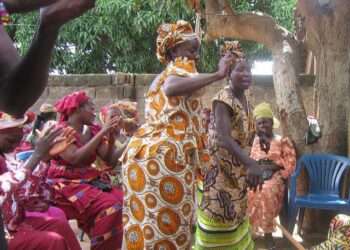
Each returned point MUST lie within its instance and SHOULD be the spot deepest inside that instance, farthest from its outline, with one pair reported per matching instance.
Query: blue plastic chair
(325, 173)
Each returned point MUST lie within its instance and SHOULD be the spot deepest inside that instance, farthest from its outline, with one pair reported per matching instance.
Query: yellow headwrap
(263, 110)
(235, 48)
(170, 35)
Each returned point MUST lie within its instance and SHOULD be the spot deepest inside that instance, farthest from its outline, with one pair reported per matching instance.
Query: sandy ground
(283, 244)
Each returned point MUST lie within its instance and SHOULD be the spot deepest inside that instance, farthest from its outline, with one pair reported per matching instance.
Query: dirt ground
(306, 240)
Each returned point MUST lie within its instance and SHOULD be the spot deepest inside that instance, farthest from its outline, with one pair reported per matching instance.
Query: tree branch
(256, 27)
(227, 7)
(312, 12)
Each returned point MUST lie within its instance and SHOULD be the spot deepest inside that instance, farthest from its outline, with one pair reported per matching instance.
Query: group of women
(171, 152)
(227, 167)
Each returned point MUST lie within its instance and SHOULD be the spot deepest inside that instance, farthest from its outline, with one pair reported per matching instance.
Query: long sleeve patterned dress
(159, 168)
(265, 205)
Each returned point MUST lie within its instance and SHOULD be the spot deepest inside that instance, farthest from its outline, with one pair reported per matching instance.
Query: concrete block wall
(105, 89)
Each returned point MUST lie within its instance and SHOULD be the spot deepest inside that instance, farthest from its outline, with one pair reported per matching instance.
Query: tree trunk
(328, 32)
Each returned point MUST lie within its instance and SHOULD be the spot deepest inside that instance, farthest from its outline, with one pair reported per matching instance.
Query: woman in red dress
(80, 190)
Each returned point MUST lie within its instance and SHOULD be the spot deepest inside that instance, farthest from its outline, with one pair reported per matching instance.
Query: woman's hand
(224, 64)
(63, 141)
(46, 142)
(109, 128)
(254, 175)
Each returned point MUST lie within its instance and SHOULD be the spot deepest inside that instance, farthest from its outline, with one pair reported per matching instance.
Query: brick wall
(105, 89)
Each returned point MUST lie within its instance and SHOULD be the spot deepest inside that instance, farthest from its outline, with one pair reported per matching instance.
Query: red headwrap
(69, 103)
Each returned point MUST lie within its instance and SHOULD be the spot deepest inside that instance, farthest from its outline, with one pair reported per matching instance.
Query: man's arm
(23, 81)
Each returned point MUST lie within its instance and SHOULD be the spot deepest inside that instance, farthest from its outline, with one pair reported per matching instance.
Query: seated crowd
(131, 186)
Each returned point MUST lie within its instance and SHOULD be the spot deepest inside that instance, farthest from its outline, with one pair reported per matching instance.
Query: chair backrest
(325, 171)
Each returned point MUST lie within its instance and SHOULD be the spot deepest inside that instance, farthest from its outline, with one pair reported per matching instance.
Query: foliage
(120, 35)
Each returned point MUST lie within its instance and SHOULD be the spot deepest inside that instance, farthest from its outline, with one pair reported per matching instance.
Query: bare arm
(118, 153)
(106, 151)
(77, 156)
(223, 126)
(23, 81)
(17, 6)
(179, 86)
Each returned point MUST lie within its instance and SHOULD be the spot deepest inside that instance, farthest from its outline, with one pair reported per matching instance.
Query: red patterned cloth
(69, 103)
(10, 183)
(33, 190)
(99, 214)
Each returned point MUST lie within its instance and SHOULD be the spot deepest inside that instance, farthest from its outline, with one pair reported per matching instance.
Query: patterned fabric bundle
(170, 35)
(69, 103)
(338, 234)
(4, 15)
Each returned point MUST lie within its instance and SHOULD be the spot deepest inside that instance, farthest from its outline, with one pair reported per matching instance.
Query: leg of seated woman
(55, 226)
(101, 220)
(37, 240)
(52, 211)
(47, 233)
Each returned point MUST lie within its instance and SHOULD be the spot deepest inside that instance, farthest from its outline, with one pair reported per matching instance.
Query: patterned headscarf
(4, 15)
(9, 123)
(263, 110)
(235, 48)
(47, 108)
(69, 103)
(170, 35)
(131, 107)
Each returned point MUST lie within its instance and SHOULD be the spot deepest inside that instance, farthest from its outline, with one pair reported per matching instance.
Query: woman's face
(87, 112)
(264, 126)
(189, 49)
(241, 75)
(10, 140)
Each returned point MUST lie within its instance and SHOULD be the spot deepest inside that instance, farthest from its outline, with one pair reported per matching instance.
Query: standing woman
(278, 162)
(222, 218)
(80, 191)
(160, 161)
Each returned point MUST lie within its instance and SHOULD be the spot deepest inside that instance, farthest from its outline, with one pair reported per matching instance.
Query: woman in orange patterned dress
(265, 205)
(160, 161)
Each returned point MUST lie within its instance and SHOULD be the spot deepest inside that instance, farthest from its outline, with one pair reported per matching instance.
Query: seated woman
(79, 189)
(277, 158)
(127, 111)
(47, 114)
(21, 190)
(338, 234)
